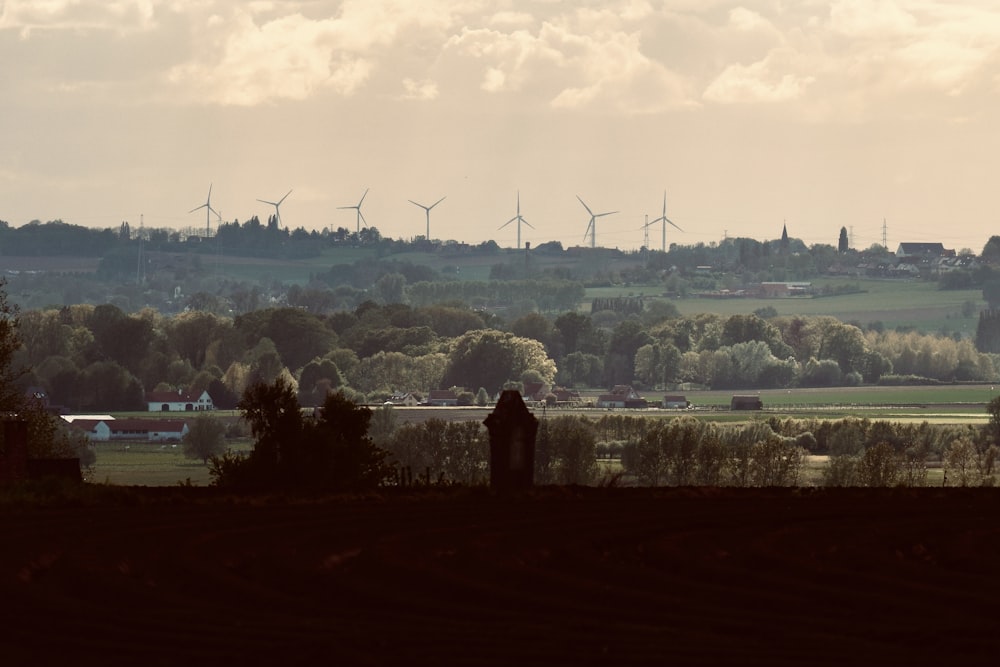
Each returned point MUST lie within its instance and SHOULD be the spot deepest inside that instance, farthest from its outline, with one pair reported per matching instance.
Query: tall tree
(48, 436)
(489, 358)
(842, 244)
(11, 397)
(619, 364)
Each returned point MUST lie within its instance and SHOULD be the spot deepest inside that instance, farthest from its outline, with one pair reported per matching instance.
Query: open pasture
(894, 303)
(150, 464)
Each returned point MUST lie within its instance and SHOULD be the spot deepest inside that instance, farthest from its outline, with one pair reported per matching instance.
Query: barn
(749, 402)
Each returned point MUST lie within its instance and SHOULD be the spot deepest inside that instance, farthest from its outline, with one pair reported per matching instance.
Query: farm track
(464, 577)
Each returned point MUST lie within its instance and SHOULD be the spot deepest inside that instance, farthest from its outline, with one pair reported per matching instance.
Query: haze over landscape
(748, 115)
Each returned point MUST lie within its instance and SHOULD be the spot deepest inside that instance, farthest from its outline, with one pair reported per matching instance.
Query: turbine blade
(585, 206)
(506, 223)
(437, 202)
(527, 223)
(283, 198)
(363, 197)
(196, 208)
(672, 223)
(416, 204)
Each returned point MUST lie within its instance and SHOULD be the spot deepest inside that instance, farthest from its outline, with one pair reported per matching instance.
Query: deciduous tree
(205, 438)
(489, 358)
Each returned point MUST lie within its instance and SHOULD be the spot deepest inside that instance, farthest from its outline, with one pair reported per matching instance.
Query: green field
(956, 397)
(894, 303)
(150, 464)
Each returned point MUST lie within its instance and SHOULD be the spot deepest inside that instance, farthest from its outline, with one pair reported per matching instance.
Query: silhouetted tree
(330, 451)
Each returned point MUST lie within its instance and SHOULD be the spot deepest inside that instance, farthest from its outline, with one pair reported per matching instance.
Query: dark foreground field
(557, 577)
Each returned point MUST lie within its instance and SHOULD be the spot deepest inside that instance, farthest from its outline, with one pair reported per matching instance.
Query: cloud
(511, 18)
(756, 83)
(563, 66)
(120, 16)
(860, 58)
(863, 18)
(253, 55)
(286, 58)
(419, 90)
(818, 59)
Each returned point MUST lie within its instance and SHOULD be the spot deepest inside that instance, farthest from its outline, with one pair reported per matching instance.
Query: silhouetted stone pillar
(14, 451)
(512, 443)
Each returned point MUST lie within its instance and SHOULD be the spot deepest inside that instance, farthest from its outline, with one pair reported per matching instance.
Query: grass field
(894, 303)
(150, 464)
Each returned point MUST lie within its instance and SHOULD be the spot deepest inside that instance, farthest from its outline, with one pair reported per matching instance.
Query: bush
(330, 451)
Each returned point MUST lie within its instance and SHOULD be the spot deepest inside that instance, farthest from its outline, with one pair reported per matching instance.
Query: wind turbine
(208, 211)
(664, 219)
(519, 220)
(592, 227)
(276, 205)
(427, 210)
(357, 207)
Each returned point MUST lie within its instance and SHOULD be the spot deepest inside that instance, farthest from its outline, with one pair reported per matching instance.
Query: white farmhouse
(178, 401)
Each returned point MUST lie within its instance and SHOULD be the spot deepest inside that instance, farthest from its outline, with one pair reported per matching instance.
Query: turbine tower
(277, 206)
(664, 219)
(208, 211)
(357, 207)
(519, 220)
(592, 226)
(427, 210)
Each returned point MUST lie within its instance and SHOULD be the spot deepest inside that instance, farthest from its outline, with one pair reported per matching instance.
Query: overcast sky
(820, 115)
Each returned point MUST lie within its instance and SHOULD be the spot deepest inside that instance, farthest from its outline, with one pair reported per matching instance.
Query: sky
(882, 117)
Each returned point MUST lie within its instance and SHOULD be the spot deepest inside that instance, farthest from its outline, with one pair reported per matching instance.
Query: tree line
(99, 358)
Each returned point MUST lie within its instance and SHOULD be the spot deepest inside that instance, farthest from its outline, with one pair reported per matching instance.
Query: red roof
(147, 425)
(172, 397)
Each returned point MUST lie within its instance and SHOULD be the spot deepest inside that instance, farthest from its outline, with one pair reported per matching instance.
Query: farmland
(147, 464)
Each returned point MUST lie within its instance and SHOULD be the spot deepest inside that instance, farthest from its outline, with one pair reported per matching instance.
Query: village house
(922, 251)
(956, 263)
(567, 396)
(178, 401)
(535, 391)
(784, 289)
(621, 396)
(441, 397)
(403, 399)
(675, 402)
